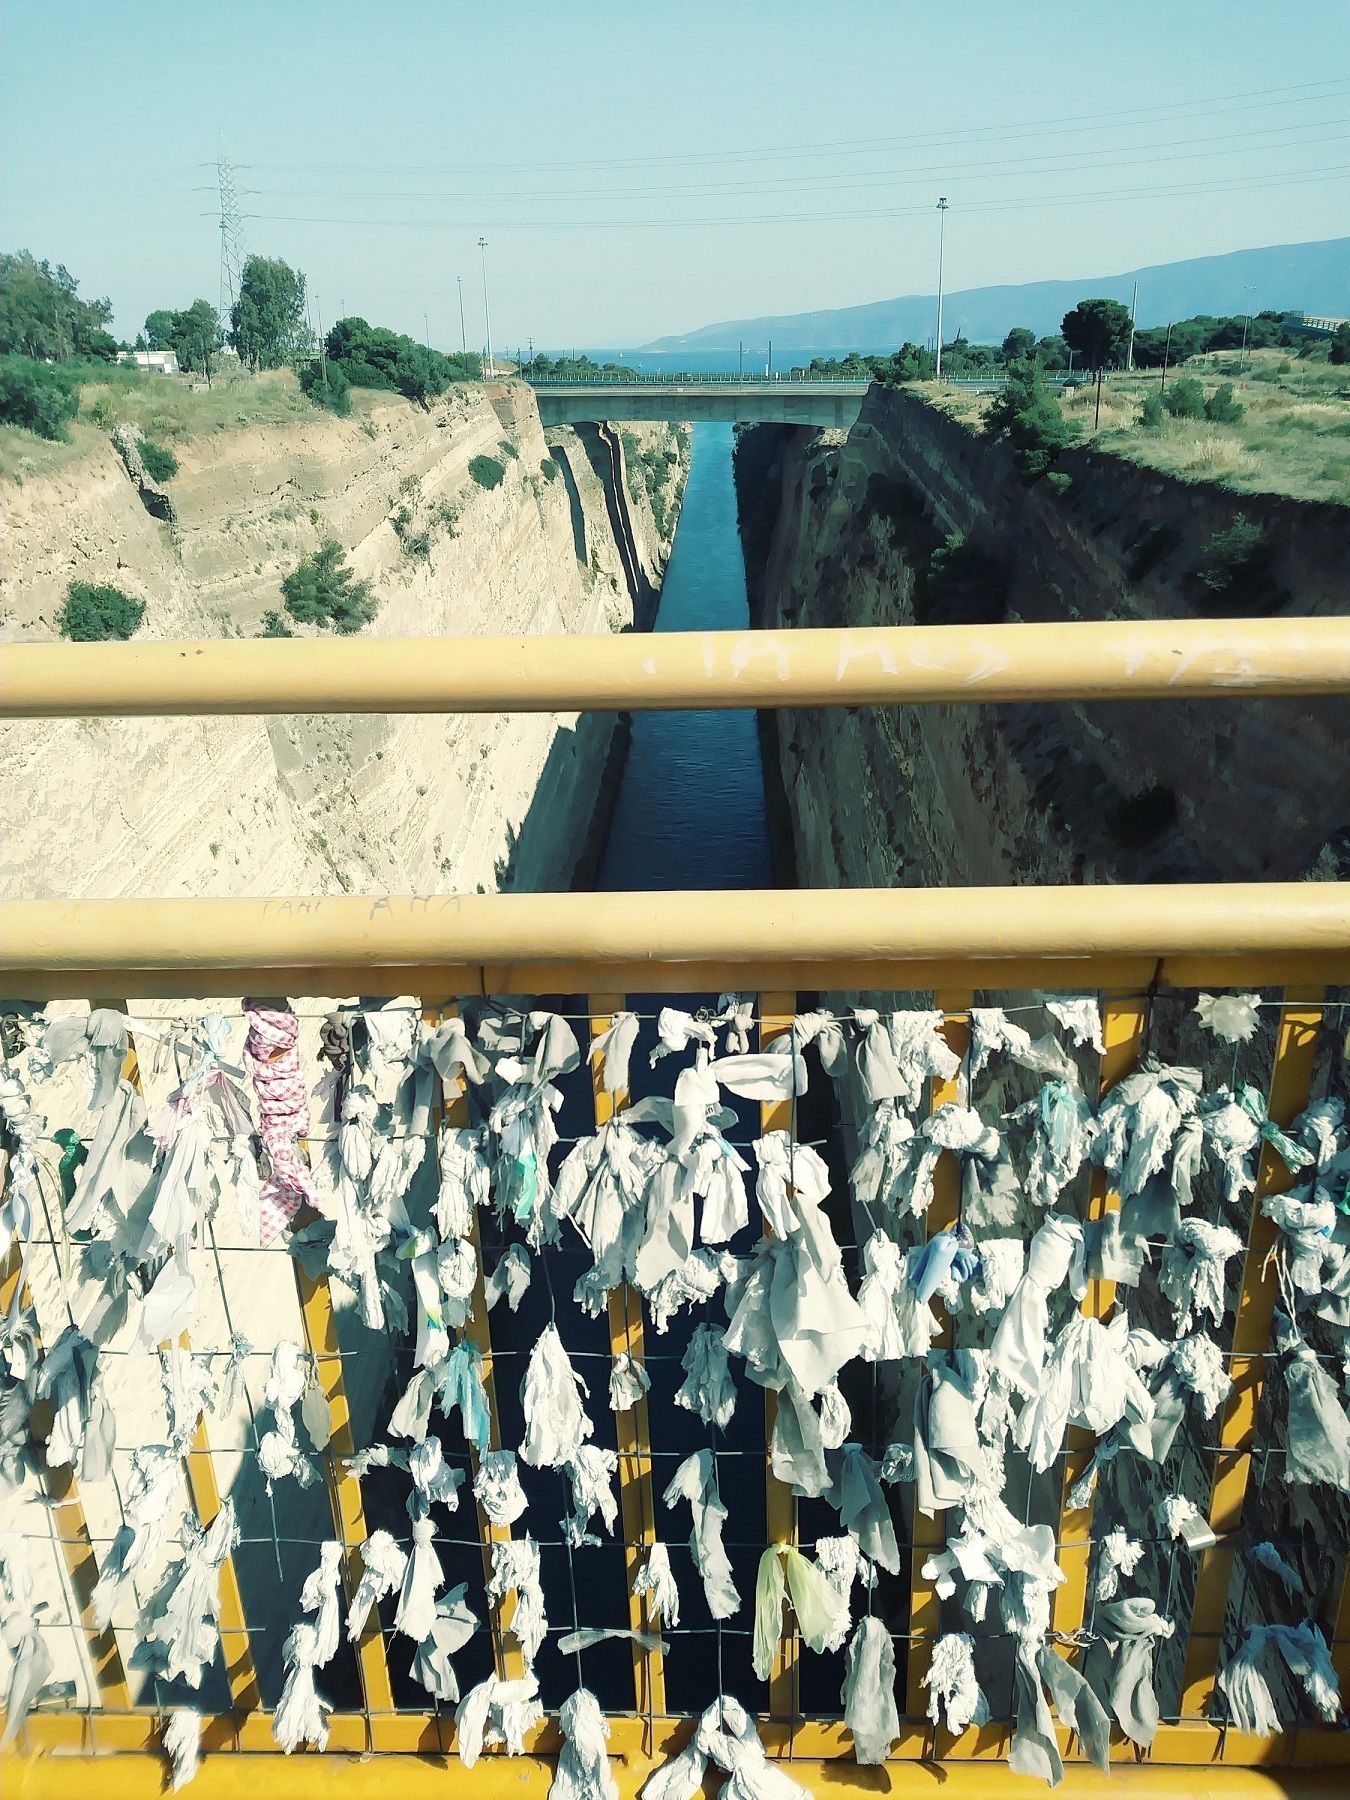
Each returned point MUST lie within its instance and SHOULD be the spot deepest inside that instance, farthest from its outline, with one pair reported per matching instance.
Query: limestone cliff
(911, 517)
(321, 805)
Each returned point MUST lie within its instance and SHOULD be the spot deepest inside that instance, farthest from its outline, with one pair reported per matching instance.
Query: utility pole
(1242, 354)
(1134, 307)
(426, 332)
(942, 234)
(770, 359)
(232, 255)
(323, 361)
(1167, 350)
(490, 370)
(740, 362)
(463, 334)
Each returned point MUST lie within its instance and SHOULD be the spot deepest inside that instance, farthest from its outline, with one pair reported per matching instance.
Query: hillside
(1312, 278)
(556, 544)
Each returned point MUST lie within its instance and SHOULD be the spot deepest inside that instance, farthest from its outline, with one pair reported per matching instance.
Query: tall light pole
(1134, 308)
(463, 334)
(426, 331)
(487, 315)
(942, 233)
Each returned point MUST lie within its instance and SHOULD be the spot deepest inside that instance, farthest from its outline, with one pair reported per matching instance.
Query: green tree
(1052, 352)
(36, 395)
(1019, 345)
(92, 614)
(159, 329)
(1097, 331)
(1340, 345)
(324, 591)
(267, 321)
(42, 315)
(1029, 419)
(371, 356)
(194, 337)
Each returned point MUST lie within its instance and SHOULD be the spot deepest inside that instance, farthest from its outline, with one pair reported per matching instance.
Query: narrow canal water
(690, 811)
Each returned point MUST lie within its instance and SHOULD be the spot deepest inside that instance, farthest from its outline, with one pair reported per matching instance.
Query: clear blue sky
(596, 143)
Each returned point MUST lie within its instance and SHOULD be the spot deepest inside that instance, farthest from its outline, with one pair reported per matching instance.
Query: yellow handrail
(853, 938)
(1092, 660)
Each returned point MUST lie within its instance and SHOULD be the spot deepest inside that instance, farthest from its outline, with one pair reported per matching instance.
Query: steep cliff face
(321, 805)
(909, 517)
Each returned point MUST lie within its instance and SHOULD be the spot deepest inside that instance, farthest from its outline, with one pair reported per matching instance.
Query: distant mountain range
(1312, 278)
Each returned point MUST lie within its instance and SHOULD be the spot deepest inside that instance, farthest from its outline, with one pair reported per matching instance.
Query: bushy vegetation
(652, 468)
(267, 321)
(1222, 408)
(192, 334)
(1204, 333)
(548, 469)
(274, 625)
(160, 464)
(323, 590)
(570, 368)
(1185, 399)
(487, 471)
(327, 386)
(960, 585)
(1095, 333)
(1028, 418)
(92, 614)
(1233, 576)
(369, 356)
(37, 395)
(42, 315)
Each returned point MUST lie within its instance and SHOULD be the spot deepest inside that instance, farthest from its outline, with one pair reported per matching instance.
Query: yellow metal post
(199, 1469)
(344, 1485)
(637, 1499)
(71, 1528)
(506, 1654)
(929, 1534)
(776, 1012)
(1290, 1082)
(1123, 1021)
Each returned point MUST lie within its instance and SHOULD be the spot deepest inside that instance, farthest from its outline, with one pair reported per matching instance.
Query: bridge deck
(758, 401)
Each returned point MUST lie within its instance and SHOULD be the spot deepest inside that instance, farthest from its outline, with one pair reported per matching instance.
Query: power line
(998, 169)
(1022, 204)
(1302, 93)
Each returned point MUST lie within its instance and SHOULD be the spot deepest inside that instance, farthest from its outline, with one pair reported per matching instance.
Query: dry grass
(1294, 438)
(172, 410)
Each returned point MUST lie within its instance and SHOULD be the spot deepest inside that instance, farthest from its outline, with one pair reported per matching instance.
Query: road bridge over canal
(821, 404)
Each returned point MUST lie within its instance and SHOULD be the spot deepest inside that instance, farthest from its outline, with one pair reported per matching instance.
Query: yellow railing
(1132, 945)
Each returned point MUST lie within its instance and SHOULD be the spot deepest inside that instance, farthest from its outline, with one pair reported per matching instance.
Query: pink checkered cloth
(272, 1059)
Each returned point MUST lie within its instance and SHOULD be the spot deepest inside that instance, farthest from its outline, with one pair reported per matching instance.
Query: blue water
(690, 809)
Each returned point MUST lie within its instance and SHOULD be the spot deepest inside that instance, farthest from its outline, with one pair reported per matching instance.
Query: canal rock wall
(911, 517)
(323, 805)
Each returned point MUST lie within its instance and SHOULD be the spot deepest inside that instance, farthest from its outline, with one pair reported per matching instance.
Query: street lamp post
(942, 233)
(463, 334)
(487, 315)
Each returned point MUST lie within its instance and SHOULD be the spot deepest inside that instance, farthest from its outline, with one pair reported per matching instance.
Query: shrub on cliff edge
(36, 395)
(1027, 417)
(324, 591)
(91, 614)
(487, 471)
